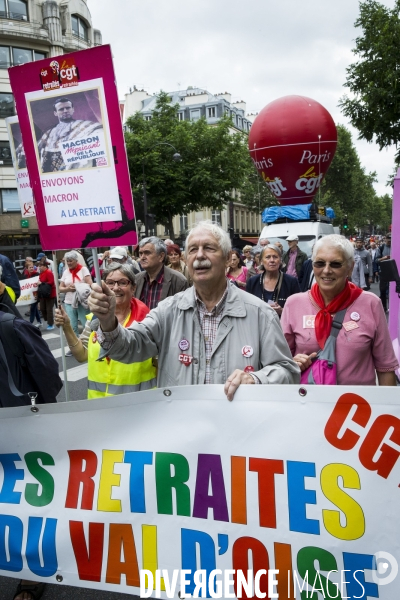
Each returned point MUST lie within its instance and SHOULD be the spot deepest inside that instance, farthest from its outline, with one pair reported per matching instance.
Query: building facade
(194, 104)
(31, 30)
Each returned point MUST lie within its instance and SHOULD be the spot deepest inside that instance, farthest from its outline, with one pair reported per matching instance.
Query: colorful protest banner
(181, 484)
(28, 291)
(71, 127)
(21, 172)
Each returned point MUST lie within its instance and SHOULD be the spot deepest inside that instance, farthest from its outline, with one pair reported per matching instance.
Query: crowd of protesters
(162, 269)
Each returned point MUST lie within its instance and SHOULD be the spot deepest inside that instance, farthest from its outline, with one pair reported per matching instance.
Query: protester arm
(386, 378)
(9, 276)
(287, 327)
(136, 343)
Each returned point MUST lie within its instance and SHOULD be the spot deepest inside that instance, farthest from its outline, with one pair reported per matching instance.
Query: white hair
(220, 235)
(71, 254)
(335, 241)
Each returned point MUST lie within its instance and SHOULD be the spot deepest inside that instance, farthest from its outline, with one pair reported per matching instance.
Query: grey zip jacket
(246, 321)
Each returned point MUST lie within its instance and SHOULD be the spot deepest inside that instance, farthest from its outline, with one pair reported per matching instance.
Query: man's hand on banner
(237, 378)
(102, 304)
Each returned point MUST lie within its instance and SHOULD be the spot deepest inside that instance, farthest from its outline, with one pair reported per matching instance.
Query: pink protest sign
(394, 300)
(70, 120)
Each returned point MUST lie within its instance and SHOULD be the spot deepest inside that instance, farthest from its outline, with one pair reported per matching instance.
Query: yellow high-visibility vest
(110, 377)
(11, 293)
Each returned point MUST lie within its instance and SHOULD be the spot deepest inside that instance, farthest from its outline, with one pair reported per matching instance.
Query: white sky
(257, 50)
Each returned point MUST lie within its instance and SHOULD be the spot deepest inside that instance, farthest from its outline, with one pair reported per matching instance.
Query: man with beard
(68, 129)
(210, 333)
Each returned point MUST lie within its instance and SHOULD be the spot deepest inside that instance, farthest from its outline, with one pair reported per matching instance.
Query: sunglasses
(320, 264)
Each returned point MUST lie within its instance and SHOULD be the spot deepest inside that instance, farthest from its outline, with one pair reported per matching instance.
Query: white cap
(118, 252)
(292, 238)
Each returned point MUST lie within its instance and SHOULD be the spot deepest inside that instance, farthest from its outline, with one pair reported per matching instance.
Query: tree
(374, 107)
(349, 190)
(214, 161)
(254, 193)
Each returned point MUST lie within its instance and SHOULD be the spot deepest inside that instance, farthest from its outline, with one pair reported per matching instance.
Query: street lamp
(176, 157)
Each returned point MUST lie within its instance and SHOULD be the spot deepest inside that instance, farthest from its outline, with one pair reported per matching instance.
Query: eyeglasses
(320, 264)
(121, 283)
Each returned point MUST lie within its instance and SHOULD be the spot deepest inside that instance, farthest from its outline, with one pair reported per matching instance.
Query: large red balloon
(292, 143)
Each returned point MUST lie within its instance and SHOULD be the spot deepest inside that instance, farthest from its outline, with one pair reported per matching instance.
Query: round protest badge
(355, 316)
(184, 345)
(249, 369)
(247, 351)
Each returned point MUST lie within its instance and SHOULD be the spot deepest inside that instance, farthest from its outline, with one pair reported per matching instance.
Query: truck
(308, 230)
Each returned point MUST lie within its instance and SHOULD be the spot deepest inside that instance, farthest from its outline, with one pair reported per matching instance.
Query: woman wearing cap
(271, 285)
(109, 377)
(294, 258)
(74, 273)
(364, 349)
(175, 261)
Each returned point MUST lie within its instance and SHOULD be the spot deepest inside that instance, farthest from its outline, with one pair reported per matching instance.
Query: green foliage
(349, 190)
(254, 193)
(214, 162)
(374, 106)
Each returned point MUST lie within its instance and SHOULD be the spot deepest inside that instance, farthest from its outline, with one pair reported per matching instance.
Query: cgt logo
(309, 182)
(275, 185)
(56, 76)
(69, 76)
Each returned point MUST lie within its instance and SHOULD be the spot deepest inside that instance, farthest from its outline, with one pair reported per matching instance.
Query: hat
(40, 255)
(292, 238)
(119, 253)
(359, 239)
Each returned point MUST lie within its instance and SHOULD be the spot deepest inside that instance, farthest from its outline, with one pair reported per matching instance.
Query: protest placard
(25, 195)
(71, 127)
(168, 486)
(29, 288)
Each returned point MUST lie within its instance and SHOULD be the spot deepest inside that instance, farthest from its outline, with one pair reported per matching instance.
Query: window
(147, 118)
(237, 221)
(211, 112)
(9, 201)
(79, 27)
(216, 217)
(5, 61)
(5, 153)
(181, 116)
(18, 56)
(195, 114)
(38, 55)
(183, 223)
(7, 108)
(21, 56)
(14, 9)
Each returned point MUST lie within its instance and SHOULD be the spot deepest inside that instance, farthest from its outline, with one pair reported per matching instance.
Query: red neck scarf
(74, 272)
(324, 317)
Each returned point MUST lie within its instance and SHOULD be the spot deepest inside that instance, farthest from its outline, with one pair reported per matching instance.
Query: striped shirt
(209, 322)
(151, 292)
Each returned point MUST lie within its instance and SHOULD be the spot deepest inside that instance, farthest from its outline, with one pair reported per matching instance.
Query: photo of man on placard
(69, 131)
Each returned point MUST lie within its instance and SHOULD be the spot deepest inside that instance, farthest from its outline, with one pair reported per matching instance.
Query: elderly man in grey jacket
(210, 333)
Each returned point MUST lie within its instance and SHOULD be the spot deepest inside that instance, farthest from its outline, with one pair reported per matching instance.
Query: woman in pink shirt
(364, 349)
(237, 272)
